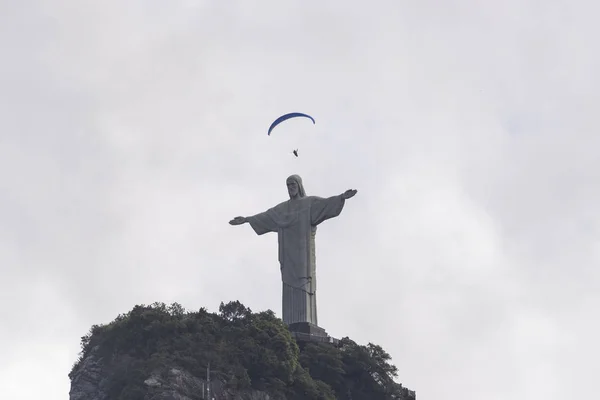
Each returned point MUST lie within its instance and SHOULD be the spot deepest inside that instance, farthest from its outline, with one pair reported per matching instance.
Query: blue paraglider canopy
(286, 117)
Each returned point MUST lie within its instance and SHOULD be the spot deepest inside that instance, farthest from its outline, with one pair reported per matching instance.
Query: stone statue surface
(295, 222)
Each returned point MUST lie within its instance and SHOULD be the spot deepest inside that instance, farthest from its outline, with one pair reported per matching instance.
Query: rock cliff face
(88, 381)
(91, 382)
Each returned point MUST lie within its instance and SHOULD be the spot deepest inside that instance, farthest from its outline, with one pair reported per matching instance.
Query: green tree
(245, 350)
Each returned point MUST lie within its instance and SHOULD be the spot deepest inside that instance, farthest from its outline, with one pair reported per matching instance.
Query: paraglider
(286, 117)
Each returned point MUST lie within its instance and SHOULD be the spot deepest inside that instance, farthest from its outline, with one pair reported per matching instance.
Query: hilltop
(163, 352)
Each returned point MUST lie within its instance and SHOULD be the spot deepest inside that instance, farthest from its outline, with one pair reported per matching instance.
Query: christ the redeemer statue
(295, 222)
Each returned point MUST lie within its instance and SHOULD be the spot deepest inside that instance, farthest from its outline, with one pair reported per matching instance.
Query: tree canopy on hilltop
(245, 350)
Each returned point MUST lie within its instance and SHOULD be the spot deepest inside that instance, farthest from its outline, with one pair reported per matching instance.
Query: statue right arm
(262, 222)
(238, 221)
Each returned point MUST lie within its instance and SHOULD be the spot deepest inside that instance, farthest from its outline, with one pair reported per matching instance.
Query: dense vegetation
(245, 350)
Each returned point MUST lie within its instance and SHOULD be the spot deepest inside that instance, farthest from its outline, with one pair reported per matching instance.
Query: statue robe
(295, 222)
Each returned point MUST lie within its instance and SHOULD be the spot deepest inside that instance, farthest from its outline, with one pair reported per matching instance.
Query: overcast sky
(131, 132)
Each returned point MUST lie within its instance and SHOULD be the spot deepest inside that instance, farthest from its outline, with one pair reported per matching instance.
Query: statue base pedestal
(307, 332)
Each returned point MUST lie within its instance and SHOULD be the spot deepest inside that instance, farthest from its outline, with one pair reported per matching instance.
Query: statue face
(292, 186)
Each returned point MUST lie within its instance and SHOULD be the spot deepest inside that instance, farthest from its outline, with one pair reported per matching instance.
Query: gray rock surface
(91, 380)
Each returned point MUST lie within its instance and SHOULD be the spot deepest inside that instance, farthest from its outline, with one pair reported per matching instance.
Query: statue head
(295, 187)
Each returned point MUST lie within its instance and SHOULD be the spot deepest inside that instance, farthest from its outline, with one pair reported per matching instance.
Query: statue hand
(238, 221)
(349, 193)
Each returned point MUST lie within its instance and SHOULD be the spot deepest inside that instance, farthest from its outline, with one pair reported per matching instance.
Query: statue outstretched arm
(238, 221)
(349, 193)
(261, 223)
(323, 209)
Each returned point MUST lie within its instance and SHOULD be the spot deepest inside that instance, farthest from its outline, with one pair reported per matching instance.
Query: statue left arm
(349, 193)
(323, 209)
